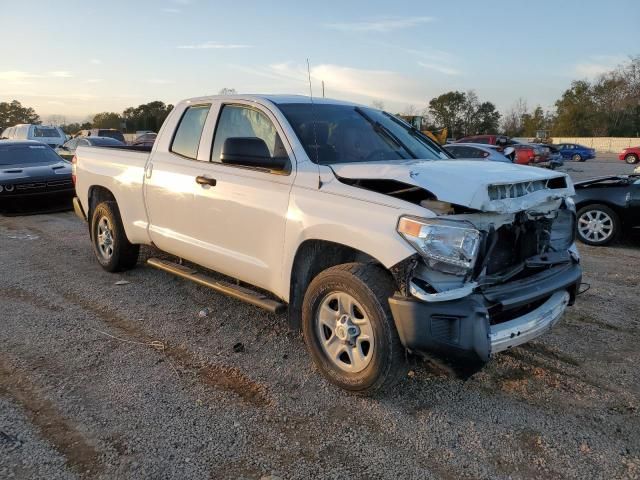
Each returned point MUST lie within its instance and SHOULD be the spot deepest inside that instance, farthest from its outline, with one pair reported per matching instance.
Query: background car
(145, 140)
(48, 134)
(630, 155)
(576, 152)
(525, 154)
(476, 151)
(68, 150)
(102, 132)
(29, 168)
(606, 206)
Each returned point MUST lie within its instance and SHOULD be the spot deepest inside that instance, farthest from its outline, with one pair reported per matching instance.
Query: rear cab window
(186, 139)
(45, 132)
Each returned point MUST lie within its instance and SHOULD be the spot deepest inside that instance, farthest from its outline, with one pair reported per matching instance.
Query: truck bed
(120, 171)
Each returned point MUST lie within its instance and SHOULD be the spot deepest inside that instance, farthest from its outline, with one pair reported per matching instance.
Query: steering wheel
(380, 152)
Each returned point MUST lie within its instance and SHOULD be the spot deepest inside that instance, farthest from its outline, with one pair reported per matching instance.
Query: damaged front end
(485, 281)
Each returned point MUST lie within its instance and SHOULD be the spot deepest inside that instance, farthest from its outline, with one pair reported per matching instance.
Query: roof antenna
(315, 137)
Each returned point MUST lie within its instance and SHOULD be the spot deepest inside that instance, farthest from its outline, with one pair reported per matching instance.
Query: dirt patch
(22, 295)
(221, 377)
(80, 455)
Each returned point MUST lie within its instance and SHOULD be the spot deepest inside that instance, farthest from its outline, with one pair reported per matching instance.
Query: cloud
(598, 65)
(380, 25)
(214, 46)
(59, 74)
(342, 81)
(17, 77)
(440, 68)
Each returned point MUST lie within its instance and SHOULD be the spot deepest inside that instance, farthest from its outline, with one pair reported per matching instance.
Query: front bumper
(491, 319)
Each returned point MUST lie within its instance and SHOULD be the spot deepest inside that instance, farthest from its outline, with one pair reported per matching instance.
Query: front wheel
(348, 328)
(577, 158)
(631, 159)
(112, 248)
(597, 225)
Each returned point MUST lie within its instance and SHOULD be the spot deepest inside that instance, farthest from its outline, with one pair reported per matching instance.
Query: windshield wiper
(378, 127)
(417, 134)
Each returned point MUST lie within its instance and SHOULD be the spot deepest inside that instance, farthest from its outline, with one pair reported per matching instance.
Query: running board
(235, 291)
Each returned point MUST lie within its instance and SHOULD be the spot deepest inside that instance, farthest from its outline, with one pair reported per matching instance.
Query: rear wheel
(631, 158)
(577, 158)
(349, 330)
(112, 248)
(597, 225)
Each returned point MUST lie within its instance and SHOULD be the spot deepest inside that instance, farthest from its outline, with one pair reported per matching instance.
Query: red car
(630, 155)
(524, 153)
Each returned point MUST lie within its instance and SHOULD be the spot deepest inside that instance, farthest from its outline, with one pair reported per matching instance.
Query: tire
(110, 244)
(577, 158)
(375, 366)
(592, 235)
(631, 158)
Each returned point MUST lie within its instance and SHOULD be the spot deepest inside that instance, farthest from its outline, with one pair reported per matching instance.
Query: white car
(357, 223)
(48, 134)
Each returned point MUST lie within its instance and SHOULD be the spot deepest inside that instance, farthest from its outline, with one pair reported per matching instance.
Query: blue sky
(77, 58)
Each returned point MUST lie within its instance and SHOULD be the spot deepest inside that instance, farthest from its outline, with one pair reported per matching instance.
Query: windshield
(21, 154)
(346, 133)
(45, 132)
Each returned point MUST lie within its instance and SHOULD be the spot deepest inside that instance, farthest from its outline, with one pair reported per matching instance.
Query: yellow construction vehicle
(418, 122)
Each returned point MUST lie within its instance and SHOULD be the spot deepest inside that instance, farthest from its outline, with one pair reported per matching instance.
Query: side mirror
(508, 151)
(250, 152)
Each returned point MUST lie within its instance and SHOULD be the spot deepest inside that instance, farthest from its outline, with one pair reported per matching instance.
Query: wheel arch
(312, 257)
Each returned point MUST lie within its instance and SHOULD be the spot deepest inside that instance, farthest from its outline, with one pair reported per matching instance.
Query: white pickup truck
(369, 233)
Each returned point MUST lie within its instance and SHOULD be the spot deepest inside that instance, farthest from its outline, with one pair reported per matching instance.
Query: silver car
(477, 151)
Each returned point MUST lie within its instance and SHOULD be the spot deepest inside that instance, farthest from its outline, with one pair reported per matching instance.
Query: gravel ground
(99, 380)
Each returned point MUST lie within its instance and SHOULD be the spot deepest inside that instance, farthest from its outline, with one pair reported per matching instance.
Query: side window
(241, 121)
(187, 137)
(481, 140)
(476, 153)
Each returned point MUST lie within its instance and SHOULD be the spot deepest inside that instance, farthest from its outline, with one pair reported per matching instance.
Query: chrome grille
(515, 190)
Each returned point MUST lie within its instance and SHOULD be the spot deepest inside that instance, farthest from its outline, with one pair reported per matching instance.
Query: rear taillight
(74, 160)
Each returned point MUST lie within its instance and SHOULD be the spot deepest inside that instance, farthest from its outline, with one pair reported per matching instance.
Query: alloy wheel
(595, 225)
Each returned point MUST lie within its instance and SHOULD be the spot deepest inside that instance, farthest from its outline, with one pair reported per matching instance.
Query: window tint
(45, 132)
(23, 154)
(333, 133)
(189, 131)
(241, 121)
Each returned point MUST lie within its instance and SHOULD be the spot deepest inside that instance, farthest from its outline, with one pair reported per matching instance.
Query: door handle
(202, 180)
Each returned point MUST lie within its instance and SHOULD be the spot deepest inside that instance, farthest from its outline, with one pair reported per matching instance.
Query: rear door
(227, 218)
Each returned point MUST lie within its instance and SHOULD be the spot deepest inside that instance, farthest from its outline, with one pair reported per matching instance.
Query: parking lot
(143, 375)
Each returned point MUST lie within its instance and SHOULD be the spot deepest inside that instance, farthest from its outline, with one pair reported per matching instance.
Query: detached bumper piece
(488, 321)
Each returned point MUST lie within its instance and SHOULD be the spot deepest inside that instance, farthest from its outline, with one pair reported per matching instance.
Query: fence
(601, 144)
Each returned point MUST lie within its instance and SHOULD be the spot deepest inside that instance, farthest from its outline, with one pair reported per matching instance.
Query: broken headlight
(448, 246)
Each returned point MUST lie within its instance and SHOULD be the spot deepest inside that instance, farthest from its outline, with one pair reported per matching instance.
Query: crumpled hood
(14, 173)
(481, 185)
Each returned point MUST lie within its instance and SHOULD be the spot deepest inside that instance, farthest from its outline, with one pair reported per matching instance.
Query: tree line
(606, 106)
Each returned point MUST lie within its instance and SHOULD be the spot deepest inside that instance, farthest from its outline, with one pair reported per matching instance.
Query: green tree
(575, 111)
(447, 110)
(148, 116)
(487, 119)
(13, 113)
(107, 120)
